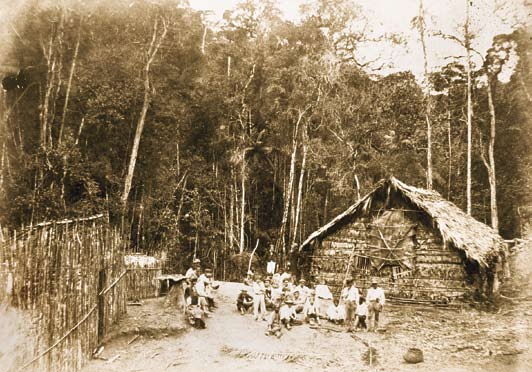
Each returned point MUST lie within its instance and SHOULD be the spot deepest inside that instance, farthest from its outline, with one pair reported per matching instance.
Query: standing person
(350, 296)
(376, 300)
(361, 315)
(323, 298)
(259, 303)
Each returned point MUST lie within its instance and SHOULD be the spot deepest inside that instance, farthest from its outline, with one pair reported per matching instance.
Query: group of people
(199, 295)
(279, 301)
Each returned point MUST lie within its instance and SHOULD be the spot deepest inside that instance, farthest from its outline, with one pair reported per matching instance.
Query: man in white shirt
(323, 297)
(350, 296)
(376, 301)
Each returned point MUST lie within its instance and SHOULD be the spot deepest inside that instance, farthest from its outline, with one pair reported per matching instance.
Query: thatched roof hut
(422, 213)
(479, 241)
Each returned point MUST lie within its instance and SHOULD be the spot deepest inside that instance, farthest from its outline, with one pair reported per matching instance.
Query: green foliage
(239, 101)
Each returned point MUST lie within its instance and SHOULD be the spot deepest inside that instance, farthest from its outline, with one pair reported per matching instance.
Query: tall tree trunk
(490, 161)
(288, 193)
(422, 25)
(50, 61)
(69, 85)
(231, 216)
(469, 107)
(243, 207)
(152, 51)
(299, 193)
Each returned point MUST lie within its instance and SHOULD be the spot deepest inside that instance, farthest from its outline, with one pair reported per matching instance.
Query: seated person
(274, 323)
(336, 313)
(193, 310)
(323, 298)
(244, 301)
(299, 302)
(287, 313)
(310, 311)
(361, 314)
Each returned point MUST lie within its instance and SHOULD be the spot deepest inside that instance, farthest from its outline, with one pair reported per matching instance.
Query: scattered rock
(413, 355)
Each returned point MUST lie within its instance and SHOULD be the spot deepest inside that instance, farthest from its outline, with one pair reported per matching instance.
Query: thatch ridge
(478, 241)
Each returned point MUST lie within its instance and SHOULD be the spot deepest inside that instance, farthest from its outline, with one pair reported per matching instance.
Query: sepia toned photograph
(265, 185)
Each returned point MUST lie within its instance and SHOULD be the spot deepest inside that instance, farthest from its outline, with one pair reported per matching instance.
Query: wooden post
(101, 306)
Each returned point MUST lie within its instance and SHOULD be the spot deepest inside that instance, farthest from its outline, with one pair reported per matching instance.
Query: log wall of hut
(397, 243)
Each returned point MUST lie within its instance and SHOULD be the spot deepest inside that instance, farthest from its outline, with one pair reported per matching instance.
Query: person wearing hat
(244, 301)
(193, 272)
(376, 300)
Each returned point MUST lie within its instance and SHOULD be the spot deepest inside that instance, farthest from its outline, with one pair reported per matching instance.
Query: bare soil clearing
(452, 340)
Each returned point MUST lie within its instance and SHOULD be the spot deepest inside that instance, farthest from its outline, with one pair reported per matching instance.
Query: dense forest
(211, 140)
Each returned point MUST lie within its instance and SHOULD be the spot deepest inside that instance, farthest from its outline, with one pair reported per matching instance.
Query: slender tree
(155, 44)
(421, 25)
(467, 43)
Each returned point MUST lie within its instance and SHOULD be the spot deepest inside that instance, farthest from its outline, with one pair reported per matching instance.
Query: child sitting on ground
(288, 314)
(274, 323)
(244, 301)
(336, 313)
(361, 314)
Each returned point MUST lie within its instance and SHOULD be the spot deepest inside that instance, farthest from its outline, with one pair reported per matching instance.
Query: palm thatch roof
(478, 241)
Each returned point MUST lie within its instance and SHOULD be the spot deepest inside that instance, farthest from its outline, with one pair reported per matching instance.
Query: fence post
(101, 306)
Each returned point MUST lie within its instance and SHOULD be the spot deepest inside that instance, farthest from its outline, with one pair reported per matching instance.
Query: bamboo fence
(142, 282)
(68, 275)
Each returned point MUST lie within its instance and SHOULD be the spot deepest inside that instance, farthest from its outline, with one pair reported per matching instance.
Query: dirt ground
(155, 338)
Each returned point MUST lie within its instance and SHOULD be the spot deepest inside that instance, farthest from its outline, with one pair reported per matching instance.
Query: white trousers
(259, 306)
